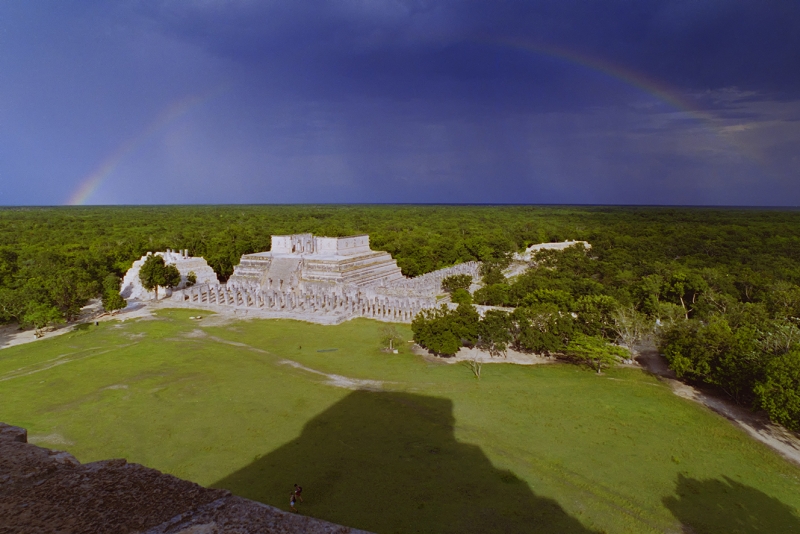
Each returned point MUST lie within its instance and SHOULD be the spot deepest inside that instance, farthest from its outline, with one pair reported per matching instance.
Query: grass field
(254, 407)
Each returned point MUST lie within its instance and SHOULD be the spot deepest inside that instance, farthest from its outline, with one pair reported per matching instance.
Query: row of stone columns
(355, 303)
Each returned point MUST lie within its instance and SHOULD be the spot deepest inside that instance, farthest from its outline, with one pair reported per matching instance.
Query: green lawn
(252, 407)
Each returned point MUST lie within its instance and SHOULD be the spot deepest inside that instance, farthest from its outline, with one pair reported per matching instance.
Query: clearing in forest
(394, 442)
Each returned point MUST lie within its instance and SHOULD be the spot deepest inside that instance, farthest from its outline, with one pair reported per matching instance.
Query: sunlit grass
(614, 452)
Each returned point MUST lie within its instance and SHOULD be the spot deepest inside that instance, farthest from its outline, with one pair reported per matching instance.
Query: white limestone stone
(533, 249)
(325, 280)
(298, 260)
(132, 288)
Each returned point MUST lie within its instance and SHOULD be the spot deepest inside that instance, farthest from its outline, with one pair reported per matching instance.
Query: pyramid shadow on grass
(389, 462)
(729, 507)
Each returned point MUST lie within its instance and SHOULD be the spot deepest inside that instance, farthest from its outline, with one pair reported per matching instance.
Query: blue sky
(501, 101)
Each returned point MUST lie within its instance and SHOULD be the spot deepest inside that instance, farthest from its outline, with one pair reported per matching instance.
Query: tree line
(736, 331)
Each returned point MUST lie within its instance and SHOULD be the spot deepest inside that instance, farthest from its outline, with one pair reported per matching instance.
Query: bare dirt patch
(339, 381)
(196, 333)
(12, 335)
(466, 354)
(50, 439)
(49, 364)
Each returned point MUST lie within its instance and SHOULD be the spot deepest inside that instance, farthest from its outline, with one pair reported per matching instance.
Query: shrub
(779, 393)
(455, 282)
(595, 351)
(461, 296)
(492, 295)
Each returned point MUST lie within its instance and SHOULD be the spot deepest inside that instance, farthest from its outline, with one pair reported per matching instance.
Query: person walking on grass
(295, 496)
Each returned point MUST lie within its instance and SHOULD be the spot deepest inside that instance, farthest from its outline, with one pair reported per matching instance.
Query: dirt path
(11, 335)
(756, 424)
(466, 354)
(338, 381)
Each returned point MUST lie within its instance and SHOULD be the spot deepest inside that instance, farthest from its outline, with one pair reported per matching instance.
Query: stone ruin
(306, 260)
(132, 289)
(42, 490)
(533, 249)
(520, 262)
(319, 279)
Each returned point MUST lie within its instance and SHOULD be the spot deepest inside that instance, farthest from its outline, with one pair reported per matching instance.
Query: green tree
(684, 288)
(151, 273)
(464, 322)
(433, 330)
(446, 344)
(41, 315)
(172, 277)
(154, 273)
(494, 332)
(541, 329)
(562, 299)
(112, 300)
(595, 351)
(630, 326)
(648, 291)
(8, 266)
(784, 299)
(390, 337)
(493, 275)
(716, 354)
(461, 296)
(596, 315)
(12, 305)
(492, 295)
(455, 282)
(779, 392)
(68, 289)
(191, 279)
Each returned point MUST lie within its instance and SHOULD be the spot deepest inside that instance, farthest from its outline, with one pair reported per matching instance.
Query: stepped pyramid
(303, 260)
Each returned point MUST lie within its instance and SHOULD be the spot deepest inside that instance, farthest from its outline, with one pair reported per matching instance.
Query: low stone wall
(49, 491)
(533, 249)
(430, 284)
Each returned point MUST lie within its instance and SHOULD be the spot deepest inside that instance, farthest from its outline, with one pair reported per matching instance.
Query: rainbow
(92, 182)
(675, 98)
(655, 88)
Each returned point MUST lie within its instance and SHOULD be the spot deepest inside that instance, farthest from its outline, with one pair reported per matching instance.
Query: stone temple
(301, 261)
(324, 280)
(132, 287)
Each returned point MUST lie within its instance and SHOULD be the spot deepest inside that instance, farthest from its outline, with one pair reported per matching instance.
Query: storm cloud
(613, 102)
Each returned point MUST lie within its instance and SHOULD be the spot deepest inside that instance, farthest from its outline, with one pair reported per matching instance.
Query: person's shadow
(389, 462)
(729, 507)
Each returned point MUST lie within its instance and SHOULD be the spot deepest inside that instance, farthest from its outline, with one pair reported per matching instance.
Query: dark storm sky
(555, 101)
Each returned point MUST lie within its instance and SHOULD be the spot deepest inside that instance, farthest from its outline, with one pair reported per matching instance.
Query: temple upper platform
(308, 245)
(301, 259)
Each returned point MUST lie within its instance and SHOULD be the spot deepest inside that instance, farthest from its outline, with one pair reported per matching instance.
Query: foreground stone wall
(49, 491)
